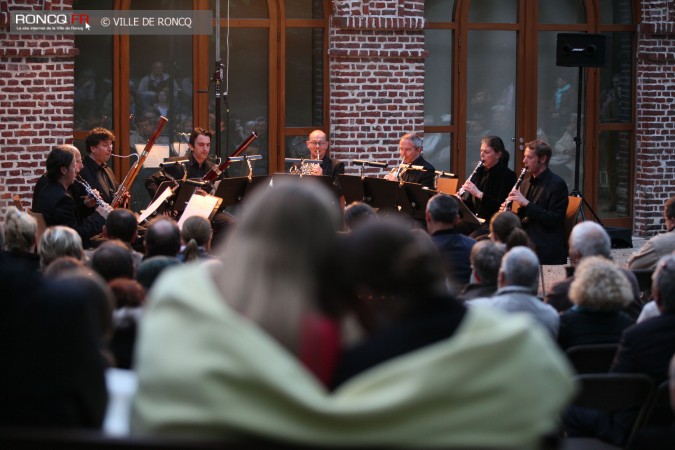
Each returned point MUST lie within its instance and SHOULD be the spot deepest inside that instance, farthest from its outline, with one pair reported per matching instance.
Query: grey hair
(20, 230)
(486, 259)
(520, 267)
(414, 138)
(59, 241)
(599, 285)
(663, 282)
(590, 239)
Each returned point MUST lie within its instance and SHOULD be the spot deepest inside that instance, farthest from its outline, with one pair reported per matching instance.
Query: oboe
(519, 181)
(87, 187)
(471, 177)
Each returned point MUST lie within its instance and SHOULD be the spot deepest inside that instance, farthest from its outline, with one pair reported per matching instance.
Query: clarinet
(94, 195)
(519, 181)
(471, 177)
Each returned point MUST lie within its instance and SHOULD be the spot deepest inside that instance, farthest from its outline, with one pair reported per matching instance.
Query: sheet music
(166, 193)
(156, 155)
(200, 205)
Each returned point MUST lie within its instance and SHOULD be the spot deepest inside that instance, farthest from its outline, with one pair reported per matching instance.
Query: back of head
(162, 238)
(197, 228)
(286, 237)
(151, 268)
(111, 260)
(443, 208)
(506, 227)
(63, 264)
(20, 231)
(391, 260)
(600, 286)
(663, 283)
(669, 208)
(588, 238)
(358, 213)
(128, 293)
(59, 241)
(121, 224)
(520, 267)
(486, 259)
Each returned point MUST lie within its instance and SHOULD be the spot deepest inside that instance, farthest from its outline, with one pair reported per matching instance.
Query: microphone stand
(217, 81)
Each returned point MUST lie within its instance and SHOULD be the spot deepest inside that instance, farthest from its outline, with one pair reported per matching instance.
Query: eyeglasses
(317, 143)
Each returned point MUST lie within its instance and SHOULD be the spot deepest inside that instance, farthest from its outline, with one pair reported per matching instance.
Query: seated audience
(518, 280)
(64, 264)
(226, 329)
(442, 217)
(59, 241)
(358, 213)
(599, 292)
(151, 268)
(658, 246)
(20, 235)
(506, 227)
(196, 237)
(162, 237)
(121, 224)
(486, 259)
(111, 260)
(129, 299)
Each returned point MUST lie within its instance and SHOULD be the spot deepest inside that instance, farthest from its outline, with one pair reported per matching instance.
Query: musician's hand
(502, 207)
(391, 177)
(316, 170)
(89, 201)
(201, 192)
(517, 196)
(471, 188)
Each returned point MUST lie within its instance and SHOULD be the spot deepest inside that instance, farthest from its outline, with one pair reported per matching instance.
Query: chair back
(571, 215)
(659, 413)
(447, 185)
(644, 279)
(592, 358)
(41, 224)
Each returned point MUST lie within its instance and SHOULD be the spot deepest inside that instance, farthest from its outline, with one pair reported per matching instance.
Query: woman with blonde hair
(20, 236)
(599, 292)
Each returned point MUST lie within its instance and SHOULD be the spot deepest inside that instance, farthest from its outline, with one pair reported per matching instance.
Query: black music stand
(352, 188)
(231, 190)
(418, 197)
(260, 181)
(466, 216)
(185, 191)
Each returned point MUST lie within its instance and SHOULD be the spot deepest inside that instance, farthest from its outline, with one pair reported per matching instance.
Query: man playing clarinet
(543, 203)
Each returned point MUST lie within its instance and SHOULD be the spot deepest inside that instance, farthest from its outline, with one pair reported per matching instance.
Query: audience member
(442, 217)
(599, 292)
(590, 239)
(151, 268)
(59, 241)
(111, 260)
(358, 213)
(234, 324)
(121, 224)
(162, 237)
(64, 264)
(486, 258)
(129, 299)
(518, 280)
(196, 237)
(505, 227)
(658, 246)
(20, 234)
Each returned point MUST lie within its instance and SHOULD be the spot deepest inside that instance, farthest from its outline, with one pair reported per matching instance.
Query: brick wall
(36, 100)
(376, 52)
(655, 127)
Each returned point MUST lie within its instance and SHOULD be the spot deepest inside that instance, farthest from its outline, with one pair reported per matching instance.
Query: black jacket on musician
(99, 177)
(195, 171)
(495, 183)
(424, 177)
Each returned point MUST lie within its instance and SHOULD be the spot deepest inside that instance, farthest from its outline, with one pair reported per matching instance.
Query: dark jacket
(544, 217)
(455, 251)
(195, 171)
(100, 178)
(495, 183)
(580, 326)
(424, 177)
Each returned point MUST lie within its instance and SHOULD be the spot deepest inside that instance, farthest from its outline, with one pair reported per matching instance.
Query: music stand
(418, 197)
(466, 216)
(185, 191)
(383, 194)
(231, 190)
(352, 188)
(255, 182)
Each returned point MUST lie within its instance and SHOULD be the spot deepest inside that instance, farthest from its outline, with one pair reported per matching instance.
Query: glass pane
(562, 11)
(616, 11)
(615, 81)
(241, 9)
(438, 77)
(503, 11)
(439, 10)
(437, 150)
(247, 96)
(614, 174)
(304, 9)
(491, 99)
(304, 77)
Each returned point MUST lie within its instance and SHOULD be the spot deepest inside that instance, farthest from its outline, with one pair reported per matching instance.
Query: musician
(493, 181)
(196, 166)
(95, 170)
(410, 148)
(317, 144)
(55, 203)
(543, 204)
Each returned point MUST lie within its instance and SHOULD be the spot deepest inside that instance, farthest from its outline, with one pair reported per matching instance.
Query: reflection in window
(304, 77)
(241, 9)
(93, 82)
(562, 11)
(614, 174)
(437, 150)
(615, 82)
(616, 11)
(503, 11)
(439, 10)
(438, 77)
(304, 9)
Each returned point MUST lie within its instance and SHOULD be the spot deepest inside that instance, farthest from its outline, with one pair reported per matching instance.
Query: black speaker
(581, 50)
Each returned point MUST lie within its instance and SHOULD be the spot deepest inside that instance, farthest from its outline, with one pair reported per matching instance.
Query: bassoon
(213, 174)
(124, 187)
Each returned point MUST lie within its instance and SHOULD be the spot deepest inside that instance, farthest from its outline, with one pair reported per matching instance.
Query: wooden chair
(41, 224)
(447, 185)
(592, 358)
(609, 393)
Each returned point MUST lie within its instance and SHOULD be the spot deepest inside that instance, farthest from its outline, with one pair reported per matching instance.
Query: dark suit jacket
(424, 177)
(495, 183)
(194, 171)
(93, 174)
(583, 327)
(647, 347)
(332, 168)
(544, 217)
(59, 208)
(455, 251)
